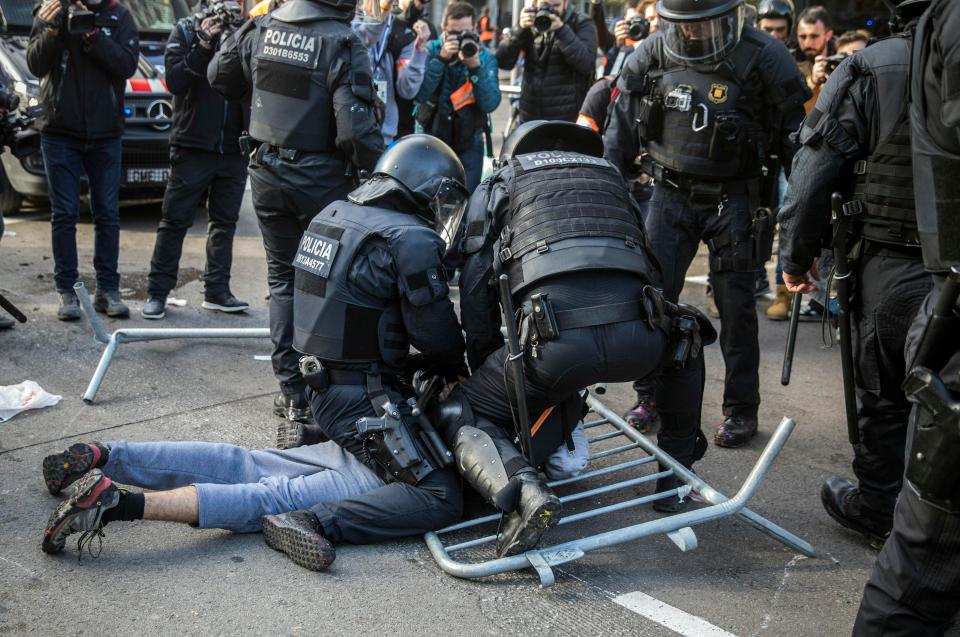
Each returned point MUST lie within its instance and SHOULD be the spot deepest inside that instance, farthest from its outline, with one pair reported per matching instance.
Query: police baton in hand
(791, 339)
(841, 279)
(515, 361)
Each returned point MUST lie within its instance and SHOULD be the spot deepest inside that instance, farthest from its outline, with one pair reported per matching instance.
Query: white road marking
(666, 615)
(700, 278)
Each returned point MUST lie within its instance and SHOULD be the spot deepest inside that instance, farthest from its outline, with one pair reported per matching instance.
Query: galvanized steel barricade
(677, 527)
(136, 335)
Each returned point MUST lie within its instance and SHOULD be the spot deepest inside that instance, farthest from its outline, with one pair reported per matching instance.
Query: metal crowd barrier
(677, 527)
(138, 335)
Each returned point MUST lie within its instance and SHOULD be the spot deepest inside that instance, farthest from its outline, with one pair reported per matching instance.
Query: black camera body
(16, 128)
(78, 21)
(469, 42)
(834, 61)
(639, 28)
(228, 12)
(543, 18)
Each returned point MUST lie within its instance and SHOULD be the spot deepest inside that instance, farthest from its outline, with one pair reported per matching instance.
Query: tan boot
(779, 310)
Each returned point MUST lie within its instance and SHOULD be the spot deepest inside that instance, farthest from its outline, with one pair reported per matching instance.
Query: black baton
(515, 358)
(12, 309)
(842, 280)
(791, 339)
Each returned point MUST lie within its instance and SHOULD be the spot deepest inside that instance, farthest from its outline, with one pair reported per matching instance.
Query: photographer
(83, 69)
(460, 89)
(559, 45)
(204, 154)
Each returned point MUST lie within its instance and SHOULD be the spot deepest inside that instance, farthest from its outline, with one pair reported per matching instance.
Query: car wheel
(10, 199)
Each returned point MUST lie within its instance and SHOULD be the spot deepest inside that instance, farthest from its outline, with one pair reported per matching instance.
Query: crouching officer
(915, 585)
(312, 128)
(558, 220)
(705, 99)
(859, 134)
(369, 284)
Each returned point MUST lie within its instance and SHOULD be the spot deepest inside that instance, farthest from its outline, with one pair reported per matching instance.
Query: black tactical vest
(704, 122)
(291, 104)
(568, 212)
(936, 155)
(330, 320)
(883, 203)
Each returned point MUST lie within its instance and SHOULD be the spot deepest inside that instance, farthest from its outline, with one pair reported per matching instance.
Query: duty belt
(700, 189)
(320, 378)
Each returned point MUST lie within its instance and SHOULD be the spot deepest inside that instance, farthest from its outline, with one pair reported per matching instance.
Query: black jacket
(202, 118)
(82, 84)
(558, 67)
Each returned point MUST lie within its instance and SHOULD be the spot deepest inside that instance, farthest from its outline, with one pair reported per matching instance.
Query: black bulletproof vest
(331, 320)
(568, 212)
(291, 105)
(936, 154)
(883, 183)
(703, 122)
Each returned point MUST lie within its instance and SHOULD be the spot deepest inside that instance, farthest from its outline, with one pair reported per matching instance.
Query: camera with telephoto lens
(833, 62)
(227, 12)
(16, 127)
(543, 18)
(79, 21)
(469, 42)
(639, 28)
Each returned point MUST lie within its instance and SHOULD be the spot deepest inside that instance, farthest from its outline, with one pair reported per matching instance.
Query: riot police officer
(705, 99)
(369, 284)
(583, 279)
(313, 126)
(915, 585)
(859, 134)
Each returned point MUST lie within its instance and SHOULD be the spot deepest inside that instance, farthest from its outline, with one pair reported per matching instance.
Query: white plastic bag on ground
(26, 395)
(566, 464)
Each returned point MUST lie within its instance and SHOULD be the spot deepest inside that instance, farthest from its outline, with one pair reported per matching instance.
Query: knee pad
(451, 415)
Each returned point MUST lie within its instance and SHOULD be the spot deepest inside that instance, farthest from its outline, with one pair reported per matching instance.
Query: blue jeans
(472, 160)
(65, 160)
(236, 486)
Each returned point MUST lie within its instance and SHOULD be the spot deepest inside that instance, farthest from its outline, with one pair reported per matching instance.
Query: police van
(148, 105)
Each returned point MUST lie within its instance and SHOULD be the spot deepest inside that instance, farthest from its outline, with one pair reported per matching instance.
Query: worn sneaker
(811, 312)
(69, 309)
(842, 501)
(63, 469)
(297, 534)
(154, 309)
(538, 510)
(81, 512)
(224, 302)
(735, 431)
(292, 434)
(108, 302)
(761, 286)
(292, 407)
(644, 416)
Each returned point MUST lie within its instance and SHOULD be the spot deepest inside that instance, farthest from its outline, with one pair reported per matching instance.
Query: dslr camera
(543, 18)
(16, 128)
(834, 61)
(228, 12)
(639, 28)
(78, 21)
(469, 42)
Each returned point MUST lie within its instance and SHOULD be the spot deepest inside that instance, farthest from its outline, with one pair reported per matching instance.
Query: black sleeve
(785, 92)
(577, 43)
(351, 84)
(44, 50)
(593, 111)
(479, 294)
(605, 39)
(621, 146)
(510, 49)
(186, 61)
(835, 134)
(119, 53)
(229, 70)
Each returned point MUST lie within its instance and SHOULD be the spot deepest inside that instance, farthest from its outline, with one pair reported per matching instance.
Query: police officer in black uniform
(369, 284)
(857, 140)
(313, 122)
(915, 585)
(558, 220)
(705, 99)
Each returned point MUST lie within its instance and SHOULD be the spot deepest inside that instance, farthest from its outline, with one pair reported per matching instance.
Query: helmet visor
(448, 206)
(702, 41)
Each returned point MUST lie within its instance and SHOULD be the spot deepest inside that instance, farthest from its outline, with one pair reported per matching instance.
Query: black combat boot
(844, 503)
(537, 509)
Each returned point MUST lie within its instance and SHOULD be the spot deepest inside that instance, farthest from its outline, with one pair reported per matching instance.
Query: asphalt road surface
(161, 578)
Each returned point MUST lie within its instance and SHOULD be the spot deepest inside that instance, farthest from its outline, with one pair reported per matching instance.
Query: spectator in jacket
(459, 91)
(82, 82)
(559, 63)
(204, 156)
(392, 75)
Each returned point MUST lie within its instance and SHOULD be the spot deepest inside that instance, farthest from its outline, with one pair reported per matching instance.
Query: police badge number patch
(718, 93)
(316, 254)
(290, 47)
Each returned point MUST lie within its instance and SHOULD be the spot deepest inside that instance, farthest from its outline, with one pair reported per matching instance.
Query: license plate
(147, 175)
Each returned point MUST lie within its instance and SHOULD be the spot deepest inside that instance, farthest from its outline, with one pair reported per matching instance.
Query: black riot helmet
(906, 9)
(700, 31)
(777, 10)
(425, 172)
(540, 134)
